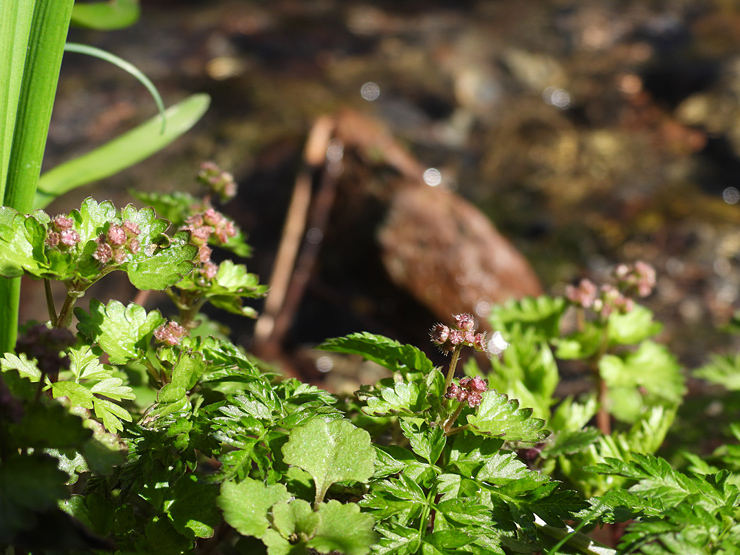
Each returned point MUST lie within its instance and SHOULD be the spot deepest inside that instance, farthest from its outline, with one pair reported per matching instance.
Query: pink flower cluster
(462, 333)
(62, 234)
(631, 279)
(170, 333)
(639, 277)
(202, 227)
(220, 182)
(469, 391)
(118, 242)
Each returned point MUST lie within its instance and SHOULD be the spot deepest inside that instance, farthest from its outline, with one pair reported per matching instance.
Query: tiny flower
(61, 222)
(210, 270)
(134, 246)
(479, 342)
(439, 333)
(131, 228)
(213, 218)
(646, 278)
(464, 322)
(457, 337)
(69, 237)
(103, 253)
(452, 391)
(170, 333)
(200, 235)
(477, 384)
(116, 235)
(119, 255)
(474, 399)
(53, 238)
(584, 295)
(204, 254)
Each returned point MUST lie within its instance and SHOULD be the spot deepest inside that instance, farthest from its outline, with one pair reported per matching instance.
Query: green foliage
(150, 435)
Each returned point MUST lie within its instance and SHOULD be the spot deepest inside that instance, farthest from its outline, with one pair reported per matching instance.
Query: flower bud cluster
(469, 390)
(463, 333)
(46, 345)
(631, 279)
(170, 333)
(62, 234)
(117, 243)
(201, 227)
(220, 182)
(637, 278)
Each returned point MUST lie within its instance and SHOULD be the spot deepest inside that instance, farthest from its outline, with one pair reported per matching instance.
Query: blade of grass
(106, 16)
(125, 66)
(122, 152)
(15, 26)
(48, 33)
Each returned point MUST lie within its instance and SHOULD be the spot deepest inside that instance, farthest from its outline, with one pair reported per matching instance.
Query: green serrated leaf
(651, 367)
(723, 370)
(331, 452)
(245, 505)
(122, 332)
(388, 353)
(498, 416)
(425, 441)
(633, 327)
(343, 528)
(24, 367)
(21, 245)
(166, 267)
(296, 517)
(405, 398)
(193, 511)
(540, 314)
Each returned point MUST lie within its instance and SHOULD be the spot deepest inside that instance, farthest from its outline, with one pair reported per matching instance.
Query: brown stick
(293, 231)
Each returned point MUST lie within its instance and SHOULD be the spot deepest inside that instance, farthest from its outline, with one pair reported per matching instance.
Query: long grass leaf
(48, 33)
(15, 26)
(106, 16)
(122, 152)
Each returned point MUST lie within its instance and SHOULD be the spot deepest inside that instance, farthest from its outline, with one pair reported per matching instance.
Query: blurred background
(591, 132)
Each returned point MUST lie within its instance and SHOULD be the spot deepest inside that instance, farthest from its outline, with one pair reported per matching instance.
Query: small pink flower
(210, 270)
(584, 295)
(439, 333)
(69, 237)
(131, 228)
(103, 253)
(170, 333)
(457, 337)
(116, 235)
(61, 222)
(464, 322)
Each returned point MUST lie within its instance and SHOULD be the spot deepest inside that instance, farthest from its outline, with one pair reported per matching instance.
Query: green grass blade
(106, 16)
(45, 48)
(125, 66)
(15, 26)
(43, 61)
(122, 152)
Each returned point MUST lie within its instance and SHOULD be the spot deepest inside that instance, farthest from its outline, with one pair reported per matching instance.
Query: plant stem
(451, 420)
(453, 365)
(65, 314)
(50, 303)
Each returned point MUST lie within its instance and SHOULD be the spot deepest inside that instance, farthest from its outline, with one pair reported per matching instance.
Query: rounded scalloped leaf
(165, 267)
(331, 452)
(121, 331)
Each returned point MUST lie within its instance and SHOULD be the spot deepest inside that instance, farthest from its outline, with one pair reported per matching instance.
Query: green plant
(32, 42)
(147, 435)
